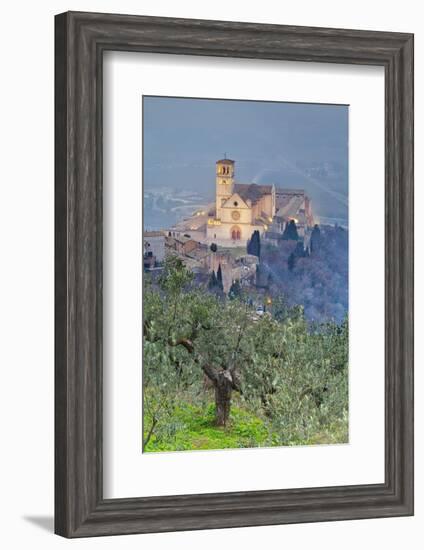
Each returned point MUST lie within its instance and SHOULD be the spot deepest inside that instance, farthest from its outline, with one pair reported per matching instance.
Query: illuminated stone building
(240, 209)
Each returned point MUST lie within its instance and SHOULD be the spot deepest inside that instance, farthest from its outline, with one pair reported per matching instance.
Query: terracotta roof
(183, 239)
(198, 253)
(252, 191)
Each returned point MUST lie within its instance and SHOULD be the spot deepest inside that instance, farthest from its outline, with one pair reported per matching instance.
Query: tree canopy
(291, 377)
(315, 239)
(290, 232)
(254, 244)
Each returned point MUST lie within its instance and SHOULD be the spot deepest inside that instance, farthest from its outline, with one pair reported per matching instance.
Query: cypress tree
(254, 244)
(290, 232)
(299, 251)
(315, 239)
(235, 290)
(219, 278)
(213, 283)
(258, 244)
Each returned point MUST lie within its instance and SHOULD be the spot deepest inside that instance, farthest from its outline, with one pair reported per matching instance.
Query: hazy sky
(288, 144)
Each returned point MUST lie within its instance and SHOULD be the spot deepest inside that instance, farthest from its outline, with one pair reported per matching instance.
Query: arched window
(235, 233)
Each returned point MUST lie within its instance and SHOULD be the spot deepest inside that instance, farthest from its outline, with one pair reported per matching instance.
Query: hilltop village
(221, 237)
(216, 238)
(261, 243)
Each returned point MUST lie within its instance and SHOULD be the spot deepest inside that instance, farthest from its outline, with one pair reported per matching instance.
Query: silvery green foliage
(292, 375)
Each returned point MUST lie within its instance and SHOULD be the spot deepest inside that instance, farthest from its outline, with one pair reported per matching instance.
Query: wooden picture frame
(81, 39)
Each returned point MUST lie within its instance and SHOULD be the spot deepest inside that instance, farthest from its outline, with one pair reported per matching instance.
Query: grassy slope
(195, 430)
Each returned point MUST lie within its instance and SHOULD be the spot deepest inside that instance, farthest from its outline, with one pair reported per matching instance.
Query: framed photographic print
(234, 274)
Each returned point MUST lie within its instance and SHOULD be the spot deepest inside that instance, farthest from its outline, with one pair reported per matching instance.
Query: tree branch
(236, 382)
(210, 372)
(149, 435)
(185, 342)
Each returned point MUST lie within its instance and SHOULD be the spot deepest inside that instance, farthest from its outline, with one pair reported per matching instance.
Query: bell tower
(224, 182)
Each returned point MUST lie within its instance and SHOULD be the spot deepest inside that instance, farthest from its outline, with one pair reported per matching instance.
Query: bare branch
(185, 342)
(149, 435)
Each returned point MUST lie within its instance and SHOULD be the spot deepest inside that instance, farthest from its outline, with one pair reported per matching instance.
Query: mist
(292, 145)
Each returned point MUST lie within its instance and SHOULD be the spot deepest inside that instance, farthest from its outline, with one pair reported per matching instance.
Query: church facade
(240, 209)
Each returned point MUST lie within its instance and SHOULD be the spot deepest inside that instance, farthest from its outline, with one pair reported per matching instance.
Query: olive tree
(187, 330)
(293, 375)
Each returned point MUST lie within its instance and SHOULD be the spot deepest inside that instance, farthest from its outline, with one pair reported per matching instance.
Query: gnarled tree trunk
(223, 391)
(224, 385)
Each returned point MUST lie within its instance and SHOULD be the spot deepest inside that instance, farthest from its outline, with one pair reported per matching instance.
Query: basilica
(242, 208)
